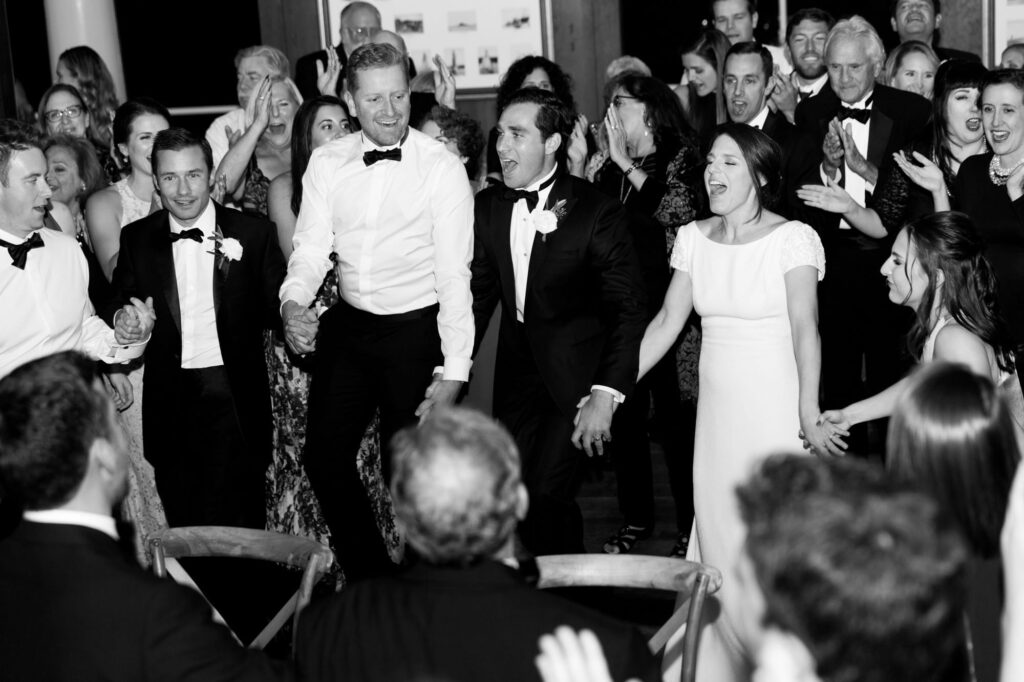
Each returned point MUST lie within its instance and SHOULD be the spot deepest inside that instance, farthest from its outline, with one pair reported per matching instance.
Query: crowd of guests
(748, 262)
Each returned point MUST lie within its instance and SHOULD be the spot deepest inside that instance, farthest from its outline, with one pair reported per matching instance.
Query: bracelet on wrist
(631, 168)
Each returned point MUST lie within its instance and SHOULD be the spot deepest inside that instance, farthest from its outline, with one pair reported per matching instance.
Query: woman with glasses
(62, 110)
(653, 168)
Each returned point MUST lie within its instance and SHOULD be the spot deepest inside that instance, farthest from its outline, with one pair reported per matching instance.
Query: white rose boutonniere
(225, 250)
(546, 220)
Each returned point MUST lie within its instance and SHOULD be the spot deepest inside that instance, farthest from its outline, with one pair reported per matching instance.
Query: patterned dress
(292, 506)
(142, 506)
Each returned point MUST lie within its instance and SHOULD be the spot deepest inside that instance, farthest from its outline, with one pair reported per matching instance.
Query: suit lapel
(163, 259)
(562, 189)
(219, 275)
(878, 137)
(501, 221)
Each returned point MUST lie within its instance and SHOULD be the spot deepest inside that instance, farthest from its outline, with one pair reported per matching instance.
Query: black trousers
(363, 362)
(552, 468)
(675, 421)
(863, 338)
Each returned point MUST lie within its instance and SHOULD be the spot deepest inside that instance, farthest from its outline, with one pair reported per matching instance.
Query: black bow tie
(860, 115)
(531, 196)
(804, 94)
(195, 234)
(374, 155)
(19, 252)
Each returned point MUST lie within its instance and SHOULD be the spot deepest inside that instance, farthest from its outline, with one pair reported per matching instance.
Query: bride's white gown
(747, 407)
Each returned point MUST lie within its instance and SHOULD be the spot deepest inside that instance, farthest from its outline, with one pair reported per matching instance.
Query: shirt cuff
(456, 369)
(122, 353)
(617, 396)
(294, 293)
(824, 176)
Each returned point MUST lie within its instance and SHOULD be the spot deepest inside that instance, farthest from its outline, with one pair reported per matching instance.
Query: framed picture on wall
(1006, 26)
(478, 39)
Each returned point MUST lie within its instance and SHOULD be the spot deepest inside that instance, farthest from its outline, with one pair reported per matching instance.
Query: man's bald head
(384, 37)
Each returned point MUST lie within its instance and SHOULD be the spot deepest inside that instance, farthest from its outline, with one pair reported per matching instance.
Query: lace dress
(749, 401)
(292, 506)
(142, 505)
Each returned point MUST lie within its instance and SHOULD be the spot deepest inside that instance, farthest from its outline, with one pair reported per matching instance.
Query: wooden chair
(692, 582)
(169, 544)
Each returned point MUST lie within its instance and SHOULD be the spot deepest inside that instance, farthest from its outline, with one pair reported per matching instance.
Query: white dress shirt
(70, 517)
(403, 232)
(812, 88)
(45, 308)
(521, 236)
(758, 121)
(856, 186)
(193, 272)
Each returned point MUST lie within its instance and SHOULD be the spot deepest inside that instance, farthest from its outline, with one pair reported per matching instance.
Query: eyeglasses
(358, 31)
(55, 115)
(619, 100)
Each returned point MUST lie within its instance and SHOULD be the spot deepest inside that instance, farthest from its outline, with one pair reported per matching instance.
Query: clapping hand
(854, 159)
(924, 173)
(300, 327)
(832, 198)
(616, 139)
(578, 146)
(832, 148)
(444, 83)
(134, 323)
(327, 79)
(784, 95)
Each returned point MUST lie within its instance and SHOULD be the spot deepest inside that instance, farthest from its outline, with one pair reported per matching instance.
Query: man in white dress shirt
(44, 277)
(397, 210)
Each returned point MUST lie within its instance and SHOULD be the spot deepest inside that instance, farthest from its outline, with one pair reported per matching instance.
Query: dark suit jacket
(944, 53)
(246, 302)
(798, 162)
(585, 301)
(453, 624)
(897, 119)
(73, 606)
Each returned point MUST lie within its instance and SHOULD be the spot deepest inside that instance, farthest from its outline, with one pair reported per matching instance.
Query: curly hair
(952, 435)
(51, 412)
(455, 486)
(561, 82)
(869, 575)
(89, 168)
(464, 131)
(97, 87)
(948, 242)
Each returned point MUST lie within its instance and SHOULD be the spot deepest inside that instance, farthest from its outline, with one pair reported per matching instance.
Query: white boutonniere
(546, 220)
(225, 250)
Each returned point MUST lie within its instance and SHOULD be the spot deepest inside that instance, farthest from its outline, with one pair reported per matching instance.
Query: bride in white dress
(938, 268)
(752, 276)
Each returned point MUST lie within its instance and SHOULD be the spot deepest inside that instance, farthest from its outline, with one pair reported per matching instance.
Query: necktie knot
(374, 155)
(19, 252)
(193, 233)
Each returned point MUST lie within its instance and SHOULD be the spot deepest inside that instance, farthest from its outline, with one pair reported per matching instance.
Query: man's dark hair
(868, 575)
(936, 7)
(176, 140)
(13, 139)
(808, 14)
(512, 81)
(455, 486)
(751, 6)
(754, 48)
(373, 56)
(51, 412)
(553, 115)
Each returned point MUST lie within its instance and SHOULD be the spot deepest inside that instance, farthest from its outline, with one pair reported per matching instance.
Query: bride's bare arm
(664, 329)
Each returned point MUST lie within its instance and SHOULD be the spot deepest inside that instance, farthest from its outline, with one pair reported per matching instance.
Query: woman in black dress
(653, 168)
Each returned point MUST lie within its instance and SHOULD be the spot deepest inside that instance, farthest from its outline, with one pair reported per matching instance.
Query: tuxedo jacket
(75, 606)
(798, 162)
(458, 624)
(897, 119)
(585, 309)
(246, 302)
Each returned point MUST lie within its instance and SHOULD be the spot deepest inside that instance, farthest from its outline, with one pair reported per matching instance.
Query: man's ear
(892, 22)
(938, 21)
(753, 20)
(349, 101)
(522, 502)
(106, 461)
(552, 144)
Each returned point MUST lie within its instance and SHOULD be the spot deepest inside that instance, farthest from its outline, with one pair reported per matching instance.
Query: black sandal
(624, 540)
(682, 544)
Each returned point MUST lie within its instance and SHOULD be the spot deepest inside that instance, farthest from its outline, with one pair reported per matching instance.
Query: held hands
(440, 392)
(616, 139)
(444, 83)
(594, 423)
(832, 198)
(327, 79)
(825, 435)
(134, 323)
(300, 327)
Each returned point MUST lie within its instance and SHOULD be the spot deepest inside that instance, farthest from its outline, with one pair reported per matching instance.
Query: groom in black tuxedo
(213, 274)
(558, 255)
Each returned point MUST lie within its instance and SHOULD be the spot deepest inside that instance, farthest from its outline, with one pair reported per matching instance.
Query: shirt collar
(15, 239)
(863, 103)
(759, 120)
(535, 185)
(207, 221)
(369, 145)
(814, 87)
(69, 517)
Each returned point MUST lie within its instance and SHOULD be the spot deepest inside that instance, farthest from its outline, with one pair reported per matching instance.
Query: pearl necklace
(997, 174)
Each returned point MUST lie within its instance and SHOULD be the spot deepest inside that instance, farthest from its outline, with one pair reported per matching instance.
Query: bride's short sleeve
(682, 249)
(802, 246)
